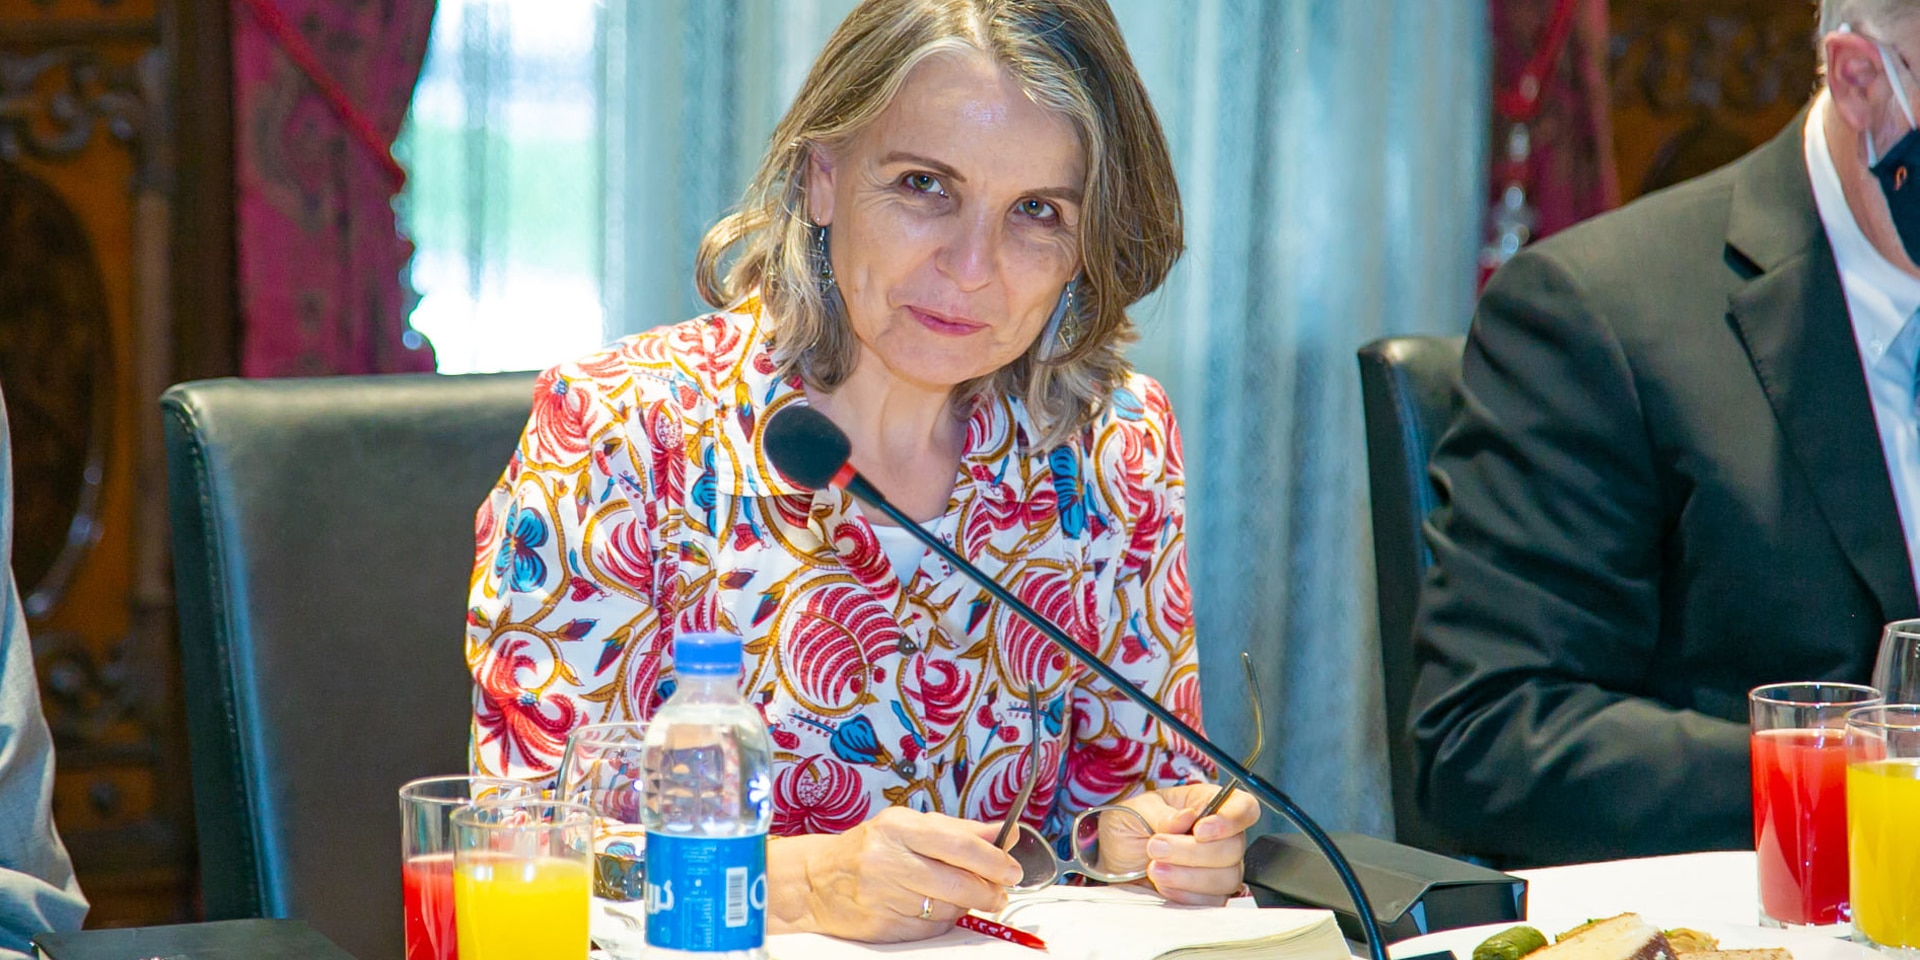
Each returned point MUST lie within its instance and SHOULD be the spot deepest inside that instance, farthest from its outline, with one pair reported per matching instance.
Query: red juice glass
(1800, 800)
(426, 852)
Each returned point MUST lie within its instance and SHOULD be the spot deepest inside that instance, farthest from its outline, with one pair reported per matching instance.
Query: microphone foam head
(805, 446)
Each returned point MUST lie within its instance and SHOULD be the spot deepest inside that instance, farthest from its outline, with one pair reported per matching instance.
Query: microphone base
(1413, 892)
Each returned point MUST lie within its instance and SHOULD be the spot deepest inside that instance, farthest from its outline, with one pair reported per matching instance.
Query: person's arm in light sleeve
(1539, 618)
(38, 892)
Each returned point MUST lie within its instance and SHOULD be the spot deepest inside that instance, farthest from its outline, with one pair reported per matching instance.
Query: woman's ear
(819, 182)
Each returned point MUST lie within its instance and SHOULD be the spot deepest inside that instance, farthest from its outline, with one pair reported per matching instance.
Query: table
(1711, 891)
(1715, 888)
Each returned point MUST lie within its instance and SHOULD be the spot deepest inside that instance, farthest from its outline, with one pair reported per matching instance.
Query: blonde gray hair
(1875, 18)
(1069, 57)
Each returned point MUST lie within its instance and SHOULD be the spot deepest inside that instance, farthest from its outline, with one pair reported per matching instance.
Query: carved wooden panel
(85, 182)
(1698, 83)
(54, 367)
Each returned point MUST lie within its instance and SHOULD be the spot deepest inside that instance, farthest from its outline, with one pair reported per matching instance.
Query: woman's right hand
(872, 882)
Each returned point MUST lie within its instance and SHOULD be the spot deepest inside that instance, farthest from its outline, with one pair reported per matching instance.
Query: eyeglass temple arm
(1259, 742)
(1019, 808)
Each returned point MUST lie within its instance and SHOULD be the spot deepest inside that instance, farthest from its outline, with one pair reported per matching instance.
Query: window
(504, 201)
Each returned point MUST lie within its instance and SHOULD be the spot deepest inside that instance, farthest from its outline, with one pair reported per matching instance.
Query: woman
(937, 253)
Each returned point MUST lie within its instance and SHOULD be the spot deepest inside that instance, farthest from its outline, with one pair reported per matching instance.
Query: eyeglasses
(1111, 825)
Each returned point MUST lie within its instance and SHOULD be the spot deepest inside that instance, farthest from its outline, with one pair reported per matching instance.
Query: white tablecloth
(1707, 891)
(1706, 888)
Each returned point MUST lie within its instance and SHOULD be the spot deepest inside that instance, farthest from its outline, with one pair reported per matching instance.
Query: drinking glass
(1800, 799)
(426, 852)
(600, 770)
(1896, 672)
(1883, 791)
(520, 879)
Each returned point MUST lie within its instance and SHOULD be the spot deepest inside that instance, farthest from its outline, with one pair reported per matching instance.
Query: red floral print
(639, 506)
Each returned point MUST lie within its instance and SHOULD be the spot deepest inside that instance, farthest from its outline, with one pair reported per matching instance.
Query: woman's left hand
(1195, 863)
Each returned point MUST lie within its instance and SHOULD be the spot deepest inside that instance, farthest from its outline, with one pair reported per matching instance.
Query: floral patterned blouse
(639, 505)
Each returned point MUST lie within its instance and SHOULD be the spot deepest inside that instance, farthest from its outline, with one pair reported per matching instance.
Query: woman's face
(954, 222)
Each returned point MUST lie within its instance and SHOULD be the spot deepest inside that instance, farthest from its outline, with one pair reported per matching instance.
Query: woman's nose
(968, 255)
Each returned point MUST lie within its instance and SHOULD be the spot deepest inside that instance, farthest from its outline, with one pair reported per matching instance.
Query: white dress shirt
(1882, 300)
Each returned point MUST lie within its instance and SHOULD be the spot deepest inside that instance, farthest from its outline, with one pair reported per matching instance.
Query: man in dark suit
(1681, 470)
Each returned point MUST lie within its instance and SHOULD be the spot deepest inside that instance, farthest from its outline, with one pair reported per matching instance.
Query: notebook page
(1096, 923)
(1097, 930)
(955, 944)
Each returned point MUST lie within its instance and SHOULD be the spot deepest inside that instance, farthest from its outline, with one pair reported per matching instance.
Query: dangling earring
(823, 264)
(1063, 327)
(823, 274)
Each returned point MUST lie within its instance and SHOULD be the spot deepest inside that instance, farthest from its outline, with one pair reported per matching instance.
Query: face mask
(1896, 170)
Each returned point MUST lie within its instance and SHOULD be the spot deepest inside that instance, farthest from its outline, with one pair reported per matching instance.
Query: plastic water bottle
(708, 769)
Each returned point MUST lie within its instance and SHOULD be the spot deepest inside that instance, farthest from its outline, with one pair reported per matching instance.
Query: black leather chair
(1409, 387)
(323, 540)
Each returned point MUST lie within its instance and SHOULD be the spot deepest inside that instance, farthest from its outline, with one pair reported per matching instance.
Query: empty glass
(1896, 672)
(600, 770)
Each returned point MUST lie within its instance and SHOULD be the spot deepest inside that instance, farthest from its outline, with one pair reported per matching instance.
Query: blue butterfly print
(518, 561)
(1053, 716)
(1066, 490)
(855, 741)
(704, 493)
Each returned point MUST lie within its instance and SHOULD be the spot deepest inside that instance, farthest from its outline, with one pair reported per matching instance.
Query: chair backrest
(323, 541)
(1409, 387)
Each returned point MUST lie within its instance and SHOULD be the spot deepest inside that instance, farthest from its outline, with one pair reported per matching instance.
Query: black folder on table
(1413, 892)
(219, 940)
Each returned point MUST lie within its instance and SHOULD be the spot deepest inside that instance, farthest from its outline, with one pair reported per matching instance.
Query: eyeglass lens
(1038, 866)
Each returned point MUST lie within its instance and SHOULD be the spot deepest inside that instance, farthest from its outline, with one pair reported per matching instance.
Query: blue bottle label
(706, 894)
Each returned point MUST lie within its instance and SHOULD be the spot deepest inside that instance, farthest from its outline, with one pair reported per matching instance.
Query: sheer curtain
(1331, 154)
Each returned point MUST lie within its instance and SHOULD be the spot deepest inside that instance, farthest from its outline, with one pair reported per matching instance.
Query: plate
(1804, 945)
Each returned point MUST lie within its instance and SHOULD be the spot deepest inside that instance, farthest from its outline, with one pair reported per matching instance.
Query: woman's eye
(922, 183)
(1038, 209)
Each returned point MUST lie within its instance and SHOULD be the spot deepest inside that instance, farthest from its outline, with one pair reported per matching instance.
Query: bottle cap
(706, 654)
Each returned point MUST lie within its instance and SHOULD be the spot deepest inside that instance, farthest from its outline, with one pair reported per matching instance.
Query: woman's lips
(945, 325)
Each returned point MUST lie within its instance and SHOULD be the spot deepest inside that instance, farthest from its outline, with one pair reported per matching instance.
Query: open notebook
(1109, 923)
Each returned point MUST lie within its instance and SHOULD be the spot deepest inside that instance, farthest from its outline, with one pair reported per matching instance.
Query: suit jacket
(1665, 488)
(37, 890)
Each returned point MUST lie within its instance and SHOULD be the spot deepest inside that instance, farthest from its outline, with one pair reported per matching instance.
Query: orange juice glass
(1883, 836)
(520, 879)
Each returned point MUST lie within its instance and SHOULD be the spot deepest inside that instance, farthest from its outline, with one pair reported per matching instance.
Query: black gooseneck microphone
(811, 451)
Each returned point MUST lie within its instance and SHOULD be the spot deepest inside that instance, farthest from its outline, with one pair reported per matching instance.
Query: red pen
(1001, 930)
